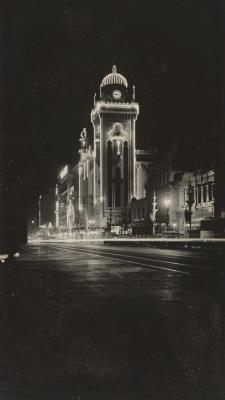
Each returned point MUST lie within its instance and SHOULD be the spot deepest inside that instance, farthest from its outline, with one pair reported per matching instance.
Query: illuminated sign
(64, 172)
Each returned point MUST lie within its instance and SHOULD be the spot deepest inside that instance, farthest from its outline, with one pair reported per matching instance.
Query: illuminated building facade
(104, 181)
(114, 118)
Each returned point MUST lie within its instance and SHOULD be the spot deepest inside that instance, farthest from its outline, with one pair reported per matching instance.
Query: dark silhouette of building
(12, 210)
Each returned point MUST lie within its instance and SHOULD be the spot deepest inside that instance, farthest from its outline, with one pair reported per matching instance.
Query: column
(79, 188)
(212, 191)
(194, 194)
(202, 194)
(207, 192)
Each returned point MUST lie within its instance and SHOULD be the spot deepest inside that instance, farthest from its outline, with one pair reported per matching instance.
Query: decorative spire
(133, 93)
(114, 69)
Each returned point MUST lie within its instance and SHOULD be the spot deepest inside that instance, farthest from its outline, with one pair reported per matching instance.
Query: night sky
(55, 54)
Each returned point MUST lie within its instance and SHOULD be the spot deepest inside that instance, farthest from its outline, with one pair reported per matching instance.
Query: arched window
(109, 173)
(117, 187)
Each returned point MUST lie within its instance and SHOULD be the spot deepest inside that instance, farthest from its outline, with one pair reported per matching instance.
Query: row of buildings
(114, 185)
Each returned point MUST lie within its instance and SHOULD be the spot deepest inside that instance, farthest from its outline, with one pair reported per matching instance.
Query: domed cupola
(114, 78)
(114, 87)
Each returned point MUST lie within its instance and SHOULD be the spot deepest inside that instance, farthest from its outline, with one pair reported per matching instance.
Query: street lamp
(167, 203)
(153, 214)
(109, 222)
(39, 210)
(190, 202)
(32, 228)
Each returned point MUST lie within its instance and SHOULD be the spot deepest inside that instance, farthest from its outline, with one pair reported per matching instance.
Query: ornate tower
(114, 117)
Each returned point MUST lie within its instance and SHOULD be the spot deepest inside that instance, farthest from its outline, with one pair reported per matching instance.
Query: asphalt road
(105, 322)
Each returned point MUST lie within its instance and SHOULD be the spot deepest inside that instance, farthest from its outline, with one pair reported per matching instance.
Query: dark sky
(55, 54)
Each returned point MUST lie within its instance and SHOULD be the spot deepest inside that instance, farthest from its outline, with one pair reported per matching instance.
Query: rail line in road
(145, 262)
(128, 261)
(161, 260)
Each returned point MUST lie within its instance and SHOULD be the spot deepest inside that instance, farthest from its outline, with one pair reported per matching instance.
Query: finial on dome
(83, 137)
(114, 69)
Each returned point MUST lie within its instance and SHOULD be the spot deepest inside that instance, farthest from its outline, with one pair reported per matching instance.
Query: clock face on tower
(117, 94)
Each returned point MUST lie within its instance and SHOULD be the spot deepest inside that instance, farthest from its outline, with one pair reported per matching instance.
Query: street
(110, 322)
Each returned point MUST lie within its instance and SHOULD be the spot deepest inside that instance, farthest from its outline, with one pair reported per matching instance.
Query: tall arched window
(125, 172)
(117, 187)
(109, 173)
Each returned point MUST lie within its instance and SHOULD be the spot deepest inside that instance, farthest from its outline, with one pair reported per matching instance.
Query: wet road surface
(106, 322)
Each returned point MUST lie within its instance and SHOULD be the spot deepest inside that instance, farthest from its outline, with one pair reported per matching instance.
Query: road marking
(127, 261)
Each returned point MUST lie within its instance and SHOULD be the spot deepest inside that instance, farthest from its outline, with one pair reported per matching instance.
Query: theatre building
(101, 185)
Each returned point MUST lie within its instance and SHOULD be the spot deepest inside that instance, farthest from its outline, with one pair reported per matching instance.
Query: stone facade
(177, 194)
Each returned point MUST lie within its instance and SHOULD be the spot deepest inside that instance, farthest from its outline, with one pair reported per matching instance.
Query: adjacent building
(183, 199)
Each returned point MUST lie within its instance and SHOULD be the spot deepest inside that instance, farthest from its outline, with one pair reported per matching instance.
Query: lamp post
(167, 205)
(153, 214)
(39, 210)
(32, 228)
(190, 202)
(109, 222)
(80, 208)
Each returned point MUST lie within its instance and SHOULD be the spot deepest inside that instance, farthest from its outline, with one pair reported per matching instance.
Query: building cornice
(102, 107)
